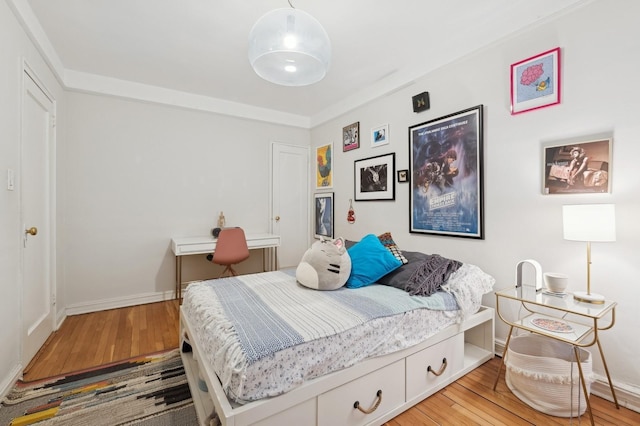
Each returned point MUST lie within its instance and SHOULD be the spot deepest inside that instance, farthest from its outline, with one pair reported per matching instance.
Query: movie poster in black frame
(445, 160)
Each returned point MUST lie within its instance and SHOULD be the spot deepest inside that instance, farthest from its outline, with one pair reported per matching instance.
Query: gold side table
(585, 319)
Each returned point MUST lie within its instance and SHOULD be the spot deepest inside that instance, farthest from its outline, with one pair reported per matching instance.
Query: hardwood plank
(101, 329)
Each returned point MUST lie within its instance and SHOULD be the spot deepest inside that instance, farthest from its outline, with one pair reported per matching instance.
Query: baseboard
(627, 397)
(119, 302)
(10, 380)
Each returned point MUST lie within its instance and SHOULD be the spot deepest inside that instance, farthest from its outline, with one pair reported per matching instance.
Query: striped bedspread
(270, 312)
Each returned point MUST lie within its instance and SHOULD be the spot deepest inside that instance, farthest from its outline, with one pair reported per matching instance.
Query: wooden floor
(102, 337)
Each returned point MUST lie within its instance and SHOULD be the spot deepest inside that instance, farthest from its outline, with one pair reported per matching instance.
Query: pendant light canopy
(289, 47)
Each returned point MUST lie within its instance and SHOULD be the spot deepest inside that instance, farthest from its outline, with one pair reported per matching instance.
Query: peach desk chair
(231, 249)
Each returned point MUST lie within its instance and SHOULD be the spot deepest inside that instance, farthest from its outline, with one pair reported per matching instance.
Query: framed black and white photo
(323, 214)
(374, 178)
(445, 160)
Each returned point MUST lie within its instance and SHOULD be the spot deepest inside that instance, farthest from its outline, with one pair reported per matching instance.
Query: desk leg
(506, 346)
(576, 350)
(606, 370)
(270, 257)
(178, 292)
(275, 260)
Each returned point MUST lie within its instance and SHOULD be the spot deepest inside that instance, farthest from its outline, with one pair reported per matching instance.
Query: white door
(290, 204)
(38, 118)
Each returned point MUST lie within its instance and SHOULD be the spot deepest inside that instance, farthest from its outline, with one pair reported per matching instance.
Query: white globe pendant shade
(289, 47)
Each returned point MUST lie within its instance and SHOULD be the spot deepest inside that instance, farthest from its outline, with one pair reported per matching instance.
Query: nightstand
(585, 319)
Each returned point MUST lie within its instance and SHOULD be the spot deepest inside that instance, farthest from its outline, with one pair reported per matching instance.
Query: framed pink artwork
(535, 82)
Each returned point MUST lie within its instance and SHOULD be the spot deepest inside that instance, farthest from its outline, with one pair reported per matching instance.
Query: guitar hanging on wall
(351, 215)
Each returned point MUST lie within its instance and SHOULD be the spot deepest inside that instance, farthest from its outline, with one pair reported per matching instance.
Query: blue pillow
(370, 261)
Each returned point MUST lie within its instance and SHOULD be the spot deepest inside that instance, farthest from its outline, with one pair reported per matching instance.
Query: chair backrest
(231, 247)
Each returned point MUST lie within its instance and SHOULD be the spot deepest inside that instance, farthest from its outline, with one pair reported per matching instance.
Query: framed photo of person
(323, 215)
(375, 178)
(445, 166)
(579, 167)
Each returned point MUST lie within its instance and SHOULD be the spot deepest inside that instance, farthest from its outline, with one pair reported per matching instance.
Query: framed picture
(324, 167)
(535, 82)
(374, 178)
(445, 160)
(351, 137)
(380, 135)
(577, 168)
(323, 215)
(420, 102)
(403, 176)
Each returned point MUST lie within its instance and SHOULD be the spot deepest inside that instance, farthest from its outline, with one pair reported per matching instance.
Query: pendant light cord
(290, 4)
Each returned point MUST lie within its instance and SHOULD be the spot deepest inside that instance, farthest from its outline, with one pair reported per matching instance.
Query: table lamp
(590, 223)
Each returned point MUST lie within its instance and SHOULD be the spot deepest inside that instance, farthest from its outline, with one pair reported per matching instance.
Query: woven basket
(542, 373)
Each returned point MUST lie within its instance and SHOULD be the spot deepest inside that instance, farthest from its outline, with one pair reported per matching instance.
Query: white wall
(600, 46)
(15, 48)
(136, 174)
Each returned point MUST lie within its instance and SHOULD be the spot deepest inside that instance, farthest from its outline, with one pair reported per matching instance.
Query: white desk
(185, 246)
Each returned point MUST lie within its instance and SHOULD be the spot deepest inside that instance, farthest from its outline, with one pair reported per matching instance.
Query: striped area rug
(149, 390)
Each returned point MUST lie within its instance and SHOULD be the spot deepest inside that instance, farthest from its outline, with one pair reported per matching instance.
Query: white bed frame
(388, 384)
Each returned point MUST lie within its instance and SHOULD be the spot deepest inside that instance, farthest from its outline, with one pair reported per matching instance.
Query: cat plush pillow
(326, 265)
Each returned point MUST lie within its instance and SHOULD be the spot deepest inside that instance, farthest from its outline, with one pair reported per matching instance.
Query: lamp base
(583, 296)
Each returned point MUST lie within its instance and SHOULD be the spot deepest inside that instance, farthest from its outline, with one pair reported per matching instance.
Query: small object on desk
(221, 220)
(533, 267)
(215, 232)
(556, 282)
(552, 325)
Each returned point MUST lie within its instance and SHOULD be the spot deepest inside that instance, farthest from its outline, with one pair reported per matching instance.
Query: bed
(262, 349)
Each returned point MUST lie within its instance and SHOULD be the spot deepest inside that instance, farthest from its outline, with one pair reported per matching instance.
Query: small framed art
(324, 167)
(403, 176)
(351, 137)
(535, 82)
(374, 178)
(380, 135)
(577, 168)
(420, 102)
(323, 213)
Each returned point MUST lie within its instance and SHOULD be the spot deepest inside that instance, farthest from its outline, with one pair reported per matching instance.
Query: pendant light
(289, 47)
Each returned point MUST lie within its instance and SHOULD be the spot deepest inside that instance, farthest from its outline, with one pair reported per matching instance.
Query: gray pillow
(400, 276)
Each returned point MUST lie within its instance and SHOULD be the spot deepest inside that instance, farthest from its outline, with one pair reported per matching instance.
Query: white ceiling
(200, 46)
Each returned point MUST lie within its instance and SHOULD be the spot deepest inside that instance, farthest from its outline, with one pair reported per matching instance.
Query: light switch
(10, 179)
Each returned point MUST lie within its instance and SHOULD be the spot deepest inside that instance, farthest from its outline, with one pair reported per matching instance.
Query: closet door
(290, 201)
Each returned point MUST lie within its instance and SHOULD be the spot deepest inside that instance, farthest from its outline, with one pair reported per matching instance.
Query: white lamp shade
(589, 222)
(289, 47)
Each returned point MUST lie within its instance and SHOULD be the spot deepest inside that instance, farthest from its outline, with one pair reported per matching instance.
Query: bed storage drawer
(301, 414)
(428, 368)
(336, 407)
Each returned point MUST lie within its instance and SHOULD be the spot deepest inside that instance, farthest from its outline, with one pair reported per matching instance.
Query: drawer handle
(372, 409)
(442, 368)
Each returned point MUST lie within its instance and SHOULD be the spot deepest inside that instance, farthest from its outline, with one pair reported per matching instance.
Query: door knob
(277, 218)
(31, 231)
